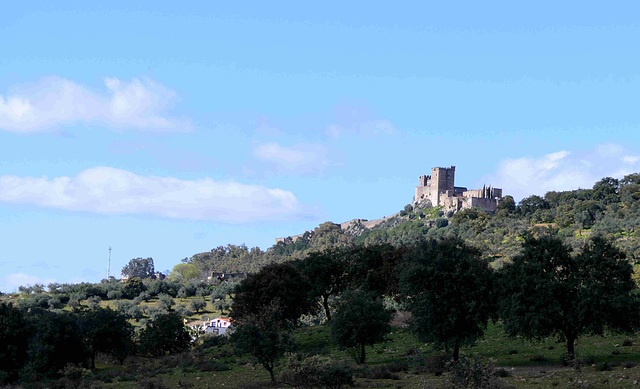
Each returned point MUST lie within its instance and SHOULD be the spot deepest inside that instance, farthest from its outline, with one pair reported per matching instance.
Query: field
(401, 362)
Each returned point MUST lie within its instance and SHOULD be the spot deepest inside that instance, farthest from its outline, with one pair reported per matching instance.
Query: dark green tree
(326, 270)
(13, 342)
(266, 335)
(281, 284)
(374, 268)
(139, 267)
(360, 320)
(106, 331)
(132, 288)
(530, 204)
(546, 291)
(165, 335)
(55, 341)
(606, 190)
(447, 287)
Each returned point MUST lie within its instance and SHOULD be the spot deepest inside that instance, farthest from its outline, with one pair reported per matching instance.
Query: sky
(164, 129)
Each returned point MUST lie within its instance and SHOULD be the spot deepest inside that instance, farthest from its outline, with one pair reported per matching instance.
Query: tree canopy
(448, 289)
(139, 267)
(280, 283)
(360, 320)
(546, 290)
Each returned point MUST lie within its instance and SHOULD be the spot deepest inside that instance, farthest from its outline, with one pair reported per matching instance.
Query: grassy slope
(531, 364)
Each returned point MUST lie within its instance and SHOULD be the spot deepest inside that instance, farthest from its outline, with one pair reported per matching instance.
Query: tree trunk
(362, 353)
(571, 353)
(325, 304)
(93, 360)
(456, 351)
(270, 370)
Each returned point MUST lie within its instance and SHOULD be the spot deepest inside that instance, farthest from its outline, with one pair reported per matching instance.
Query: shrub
(627, 342)
(473, 373)
(434, 364)
(309, 372)
(147, 383)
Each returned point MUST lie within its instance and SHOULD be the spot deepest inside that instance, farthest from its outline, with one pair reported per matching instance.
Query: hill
(611, 208)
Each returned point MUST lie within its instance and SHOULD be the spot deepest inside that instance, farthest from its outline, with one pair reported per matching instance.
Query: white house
(216, 326)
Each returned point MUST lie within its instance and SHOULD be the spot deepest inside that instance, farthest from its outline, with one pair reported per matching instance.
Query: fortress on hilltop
(435, 190)
(439, 189)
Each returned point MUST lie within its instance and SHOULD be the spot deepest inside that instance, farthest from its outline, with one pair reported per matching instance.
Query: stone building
(439, 189)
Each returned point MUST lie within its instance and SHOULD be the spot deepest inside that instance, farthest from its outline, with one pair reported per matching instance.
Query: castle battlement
(440, 190)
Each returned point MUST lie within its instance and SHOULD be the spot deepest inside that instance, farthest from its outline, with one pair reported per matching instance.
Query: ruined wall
(488, 204)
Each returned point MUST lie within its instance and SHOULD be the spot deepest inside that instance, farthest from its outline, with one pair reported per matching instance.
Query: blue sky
(164, 129)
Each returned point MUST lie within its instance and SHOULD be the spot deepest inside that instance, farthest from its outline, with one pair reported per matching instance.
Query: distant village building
(439, 189)
(215, 276)
(218, 326)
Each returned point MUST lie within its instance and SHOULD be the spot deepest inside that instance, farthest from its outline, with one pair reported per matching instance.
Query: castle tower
(442, 180)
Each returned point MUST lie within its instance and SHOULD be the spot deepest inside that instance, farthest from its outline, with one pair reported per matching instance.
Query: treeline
(38, 344)
(48, 335)
(449, 288)
(129, 296)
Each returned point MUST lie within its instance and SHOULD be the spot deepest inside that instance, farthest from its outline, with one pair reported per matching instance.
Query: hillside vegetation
(542, 293)
(611, 208)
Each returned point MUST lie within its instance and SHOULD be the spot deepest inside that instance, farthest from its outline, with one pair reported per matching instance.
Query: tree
(374, 268)
(280, 284)
(165, 302)
(166, 334)
(264, 335)
(185, 272)
(197, 305)
(55, 341)
(447, 287)
(530, 204)
(13, 342)
(606, 190)
(546, 291)
(506, 207)
(360, 321)
(139, 267)
(326, 270)
(106, 331)
(132, 288)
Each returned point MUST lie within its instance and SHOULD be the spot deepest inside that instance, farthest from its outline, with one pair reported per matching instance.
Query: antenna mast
(109, 268)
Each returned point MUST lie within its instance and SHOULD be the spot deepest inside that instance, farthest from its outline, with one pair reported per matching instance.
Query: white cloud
(11, 282)
(562, 170)
(609, 150)
(106, 190)
(301, 158)
(52, 102)
(523, 177)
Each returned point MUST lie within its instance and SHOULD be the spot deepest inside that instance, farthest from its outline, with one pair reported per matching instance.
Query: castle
(439, 189)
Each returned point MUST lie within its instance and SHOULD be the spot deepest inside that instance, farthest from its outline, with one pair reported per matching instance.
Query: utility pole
(109, 268)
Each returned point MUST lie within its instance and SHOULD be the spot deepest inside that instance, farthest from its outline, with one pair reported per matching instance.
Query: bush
(440, 223)
(627, 342)
(309, 372)
(147, 383)
(473, 373)
(435, 364)
(381, 372)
